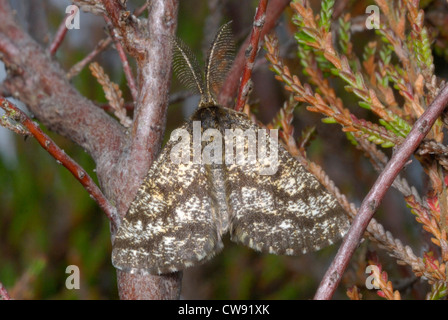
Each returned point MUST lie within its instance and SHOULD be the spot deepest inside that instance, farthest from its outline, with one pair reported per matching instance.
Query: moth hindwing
(195, 193)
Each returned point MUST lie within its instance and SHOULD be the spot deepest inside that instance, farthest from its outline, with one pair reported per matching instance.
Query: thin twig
(339, 8)
(373, 199)
(4, 295)
(124, 60)
(251, 53)
(125, 25)
(59, 36)
(76, 170)
(142, 9)
(175, 97)
(114, 10)
(179, 96)
(230, 87)
(76, 69)
(103, 44)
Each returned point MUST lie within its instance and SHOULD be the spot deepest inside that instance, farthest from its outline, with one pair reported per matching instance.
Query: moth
(183, 209)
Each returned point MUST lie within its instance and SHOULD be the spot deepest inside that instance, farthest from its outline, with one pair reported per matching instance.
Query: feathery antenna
(186, 67)
(219, 61)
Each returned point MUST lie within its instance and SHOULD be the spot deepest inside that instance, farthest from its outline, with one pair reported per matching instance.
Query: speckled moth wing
(287, 212)
(170, 225)
(182, 209)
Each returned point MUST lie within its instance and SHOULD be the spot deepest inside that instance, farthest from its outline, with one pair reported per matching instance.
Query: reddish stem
(76, 69)
(230, 87)
(251, 53)
(124, 60)
(373, 199)
(78, 172)
(142, 9)
(114, 9)
(59, 37)
(124, 22)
